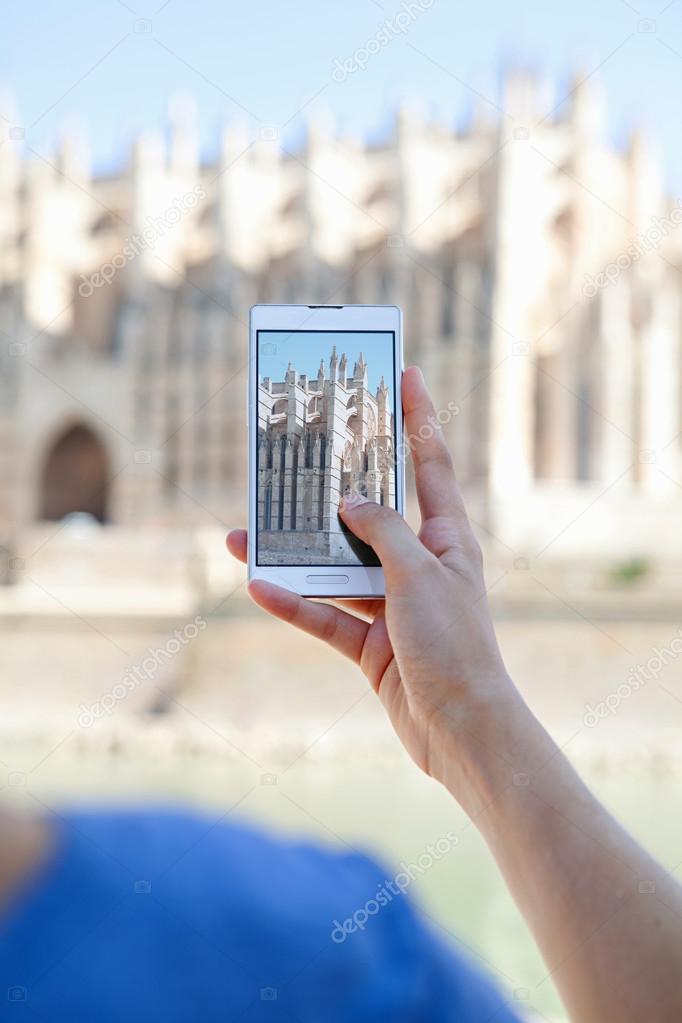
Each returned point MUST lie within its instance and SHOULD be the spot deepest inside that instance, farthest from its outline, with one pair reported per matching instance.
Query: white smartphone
(325, 419)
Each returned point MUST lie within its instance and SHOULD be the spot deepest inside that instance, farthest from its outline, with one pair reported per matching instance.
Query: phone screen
(326, 427)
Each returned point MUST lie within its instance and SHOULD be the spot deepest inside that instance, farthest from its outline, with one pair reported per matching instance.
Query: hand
(429, 650)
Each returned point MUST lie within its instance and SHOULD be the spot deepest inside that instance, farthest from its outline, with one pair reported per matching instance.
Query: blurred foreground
(165, 684)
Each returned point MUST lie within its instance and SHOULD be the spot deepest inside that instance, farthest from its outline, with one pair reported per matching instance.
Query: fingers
(385, 530)
(399, 550)
(236, 544)
(437, 489)
(361, 605)
(340, 630)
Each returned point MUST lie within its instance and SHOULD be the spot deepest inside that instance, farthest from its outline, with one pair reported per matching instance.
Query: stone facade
(538, 269)
(318, 438)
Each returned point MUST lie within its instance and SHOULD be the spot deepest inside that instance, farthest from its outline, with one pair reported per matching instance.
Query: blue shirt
(143, 916)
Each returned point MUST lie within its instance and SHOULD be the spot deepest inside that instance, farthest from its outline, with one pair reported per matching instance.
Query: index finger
(341, 630)
(437, 489)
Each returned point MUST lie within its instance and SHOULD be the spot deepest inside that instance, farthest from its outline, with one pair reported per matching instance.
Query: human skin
(26, 842)
(606, 916)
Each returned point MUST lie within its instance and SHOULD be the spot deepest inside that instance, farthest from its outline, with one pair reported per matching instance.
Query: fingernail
(350, 501)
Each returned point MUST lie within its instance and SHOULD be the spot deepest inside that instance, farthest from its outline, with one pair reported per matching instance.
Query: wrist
(493, 744)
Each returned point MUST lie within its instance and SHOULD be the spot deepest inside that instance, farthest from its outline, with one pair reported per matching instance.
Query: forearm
(613, 946)
(607, 917)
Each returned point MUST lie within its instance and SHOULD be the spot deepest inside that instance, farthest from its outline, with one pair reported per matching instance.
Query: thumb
(398, 548)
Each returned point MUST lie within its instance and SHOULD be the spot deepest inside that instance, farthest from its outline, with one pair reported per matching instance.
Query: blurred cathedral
(538, 268)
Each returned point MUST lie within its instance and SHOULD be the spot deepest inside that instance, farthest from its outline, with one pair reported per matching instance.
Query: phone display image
(326, 427)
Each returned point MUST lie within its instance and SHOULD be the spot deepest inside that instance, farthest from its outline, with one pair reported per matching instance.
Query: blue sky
(306, 349)
(111, 66)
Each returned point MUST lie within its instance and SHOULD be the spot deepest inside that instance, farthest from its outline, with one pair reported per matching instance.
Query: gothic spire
(360, 369)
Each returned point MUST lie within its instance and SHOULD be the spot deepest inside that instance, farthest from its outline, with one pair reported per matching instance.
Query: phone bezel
(362, 581)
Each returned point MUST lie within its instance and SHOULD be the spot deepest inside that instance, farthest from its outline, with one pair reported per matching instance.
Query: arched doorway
(75, 476)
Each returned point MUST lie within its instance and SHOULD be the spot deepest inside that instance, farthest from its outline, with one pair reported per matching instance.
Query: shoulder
(224, 862)
(228, 864)
(305, 920)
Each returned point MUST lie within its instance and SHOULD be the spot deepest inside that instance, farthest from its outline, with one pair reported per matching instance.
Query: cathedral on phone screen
(326, 420)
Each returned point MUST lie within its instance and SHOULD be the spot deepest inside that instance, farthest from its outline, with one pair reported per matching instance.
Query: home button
(327, 580)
